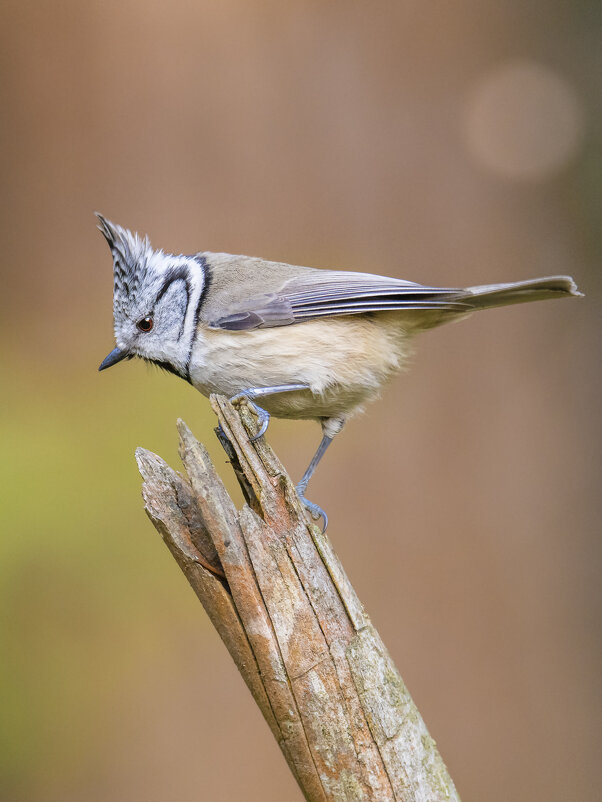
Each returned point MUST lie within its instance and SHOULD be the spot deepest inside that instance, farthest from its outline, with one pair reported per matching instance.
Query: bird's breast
(344, 361)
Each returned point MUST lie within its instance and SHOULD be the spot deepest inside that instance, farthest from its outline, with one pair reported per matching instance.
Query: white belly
(344, 361)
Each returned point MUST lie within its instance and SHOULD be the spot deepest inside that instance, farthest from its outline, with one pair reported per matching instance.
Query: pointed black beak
(113, 358)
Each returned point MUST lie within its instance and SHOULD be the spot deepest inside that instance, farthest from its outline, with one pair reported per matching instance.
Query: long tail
(518, 292)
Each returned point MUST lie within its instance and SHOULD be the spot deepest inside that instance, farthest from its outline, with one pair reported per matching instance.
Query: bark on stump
(281, 602)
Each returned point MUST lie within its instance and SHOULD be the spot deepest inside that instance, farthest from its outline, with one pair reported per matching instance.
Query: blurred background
(448, 143)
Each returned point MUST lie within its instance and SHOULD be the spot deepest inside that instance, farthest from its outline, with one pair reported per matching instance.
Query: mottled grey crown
(132, 261)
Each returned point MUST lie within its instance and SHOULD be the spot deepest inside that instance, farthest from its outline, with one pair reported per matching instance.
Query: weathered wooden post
(281, 602)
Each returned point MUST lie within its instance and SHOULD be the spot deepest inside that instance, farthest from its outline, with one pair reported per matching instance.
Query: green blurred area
(465, 505)
(88, 594)
(82, 579)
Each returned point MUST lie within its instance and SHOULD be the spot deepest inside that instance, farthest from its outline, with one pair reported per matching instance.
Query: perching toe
(315, 511)
(263, 417)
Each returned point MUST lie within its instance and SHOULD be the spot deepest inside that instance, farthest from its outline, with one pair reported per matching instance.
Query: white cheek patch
(170, 312)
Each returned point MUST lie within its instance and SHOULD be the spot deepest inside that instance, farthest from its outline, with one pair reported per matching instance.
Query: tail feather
(518, 292)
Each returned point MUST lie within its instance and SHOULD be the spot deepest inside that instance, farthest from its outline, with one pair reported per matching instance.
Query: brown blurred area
(453, 144)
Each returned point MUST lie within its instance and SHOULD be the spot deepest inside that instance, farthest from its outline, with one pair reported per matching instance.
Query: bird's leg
(315, 511)
(263, 417)
(330, 427)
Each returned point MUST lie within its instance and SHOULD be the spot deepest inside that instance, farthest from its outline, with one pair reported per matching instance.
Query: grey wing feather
(323, 293)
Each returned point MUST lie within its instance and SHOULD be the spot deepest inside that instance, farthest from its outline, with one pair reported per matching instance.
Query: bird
(295, 342)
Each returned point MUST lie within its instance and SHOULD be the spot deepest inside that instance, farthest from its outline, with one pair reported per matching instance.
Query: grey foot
(315, 511)
(263, 417)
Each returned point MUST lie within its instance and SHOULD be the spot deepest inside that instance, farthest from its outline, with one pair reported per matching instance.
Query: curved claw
(263, 417)
(315, 512)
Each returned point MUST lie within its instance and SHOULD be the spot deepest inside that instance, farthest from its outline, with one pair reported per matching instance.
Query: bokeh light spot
(524, 121)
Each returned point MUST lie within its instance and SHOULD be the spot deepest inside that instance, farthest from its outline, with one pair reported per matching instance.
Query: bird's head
(156, 297)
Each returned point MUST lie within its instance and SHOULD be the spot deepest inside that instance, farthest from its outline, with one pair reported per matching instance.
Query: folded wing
(325, 293)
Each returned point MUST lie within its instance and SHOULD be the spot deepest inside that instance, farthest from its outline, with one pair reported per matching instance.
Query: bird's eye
(145, 324)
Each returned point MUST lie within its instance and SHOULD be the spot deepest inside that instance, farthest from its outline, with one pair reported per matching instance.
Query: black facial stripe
(207, 274)
(207, 277)
(173, 274)
(166, 366)
(183, 323)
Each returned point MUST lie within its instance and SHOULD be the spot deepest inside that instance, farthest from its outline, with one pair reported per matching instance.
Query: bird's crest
(132, 260)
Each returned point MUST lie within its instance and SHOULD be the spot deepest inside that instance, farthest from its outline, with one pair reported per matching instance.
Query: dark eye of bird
(145, 324)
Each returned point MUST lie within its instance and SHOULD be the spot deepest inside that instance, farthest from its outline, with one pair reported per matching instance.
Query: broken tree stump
(279, 598)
